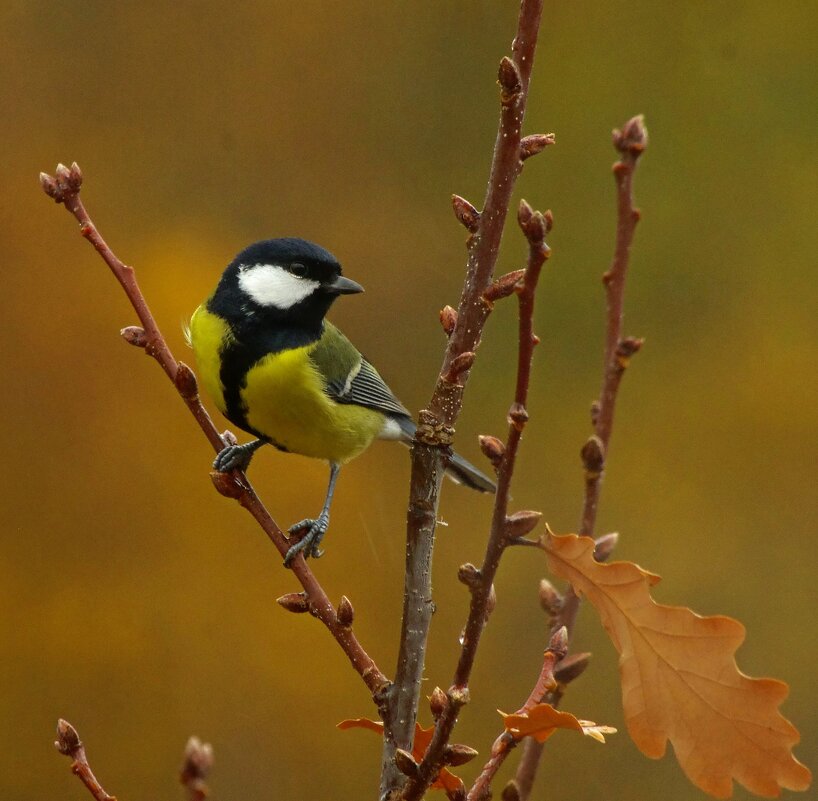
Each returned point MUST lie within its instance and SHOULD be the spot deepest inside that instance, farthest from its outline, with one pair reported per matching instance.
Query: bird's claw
(233, 457)
(308, 544)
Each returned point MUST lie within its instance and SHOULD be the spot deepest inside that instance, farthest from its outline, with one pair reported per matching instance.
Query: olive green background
(140, 605)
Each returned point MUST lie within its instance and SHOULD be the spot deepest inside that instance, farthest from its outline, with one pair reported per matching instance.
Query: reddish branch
(68, 742)
(436, 423)
(505, 530)
(64, 188)
(630, 142)
(481, 789)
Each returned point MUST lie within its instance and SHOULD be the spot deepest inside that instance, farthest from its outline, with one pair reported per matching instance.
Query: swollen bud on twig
(559, 642)
(466, 214)
(346, 613)
(459, 365)
(134, 335)
(185, 382)
(604, 546)
(197, 765)
(517, 416)
(550, 598)
(511, 792)
(536, 143)
(438, 702)
(469, 575)
(571, 667)
(458, 754)
(593, 455)
(503, 286)
(68, 741)
(521, 523)
(448, 319)
(632, 138)
(296, 602)
(524, 212)
(405, 763)
(626, 348)
(511, 84)
(226, 485)
(493, 449)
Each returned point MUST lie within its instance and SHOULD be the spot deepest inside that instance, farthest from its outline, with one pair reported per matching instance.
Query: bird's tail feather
(458, 470)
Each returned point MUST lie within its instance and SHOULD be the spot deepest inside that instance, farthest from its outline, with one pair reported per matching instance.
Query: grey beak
(345, 286)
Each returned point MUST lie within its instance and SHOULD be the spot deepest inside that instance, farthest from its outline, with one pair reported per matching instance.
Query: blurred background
(140, 605)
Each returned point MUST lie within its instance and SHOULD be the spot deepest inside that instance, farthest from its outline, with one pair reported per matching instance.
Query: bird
(280, 371)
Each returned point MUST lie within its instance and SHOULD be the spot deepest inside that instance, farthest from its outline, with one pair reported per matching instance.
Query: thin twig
(68, 743)
(535, 226)
(64, 187)
(481, 789)
(630, 142)
(436, 428)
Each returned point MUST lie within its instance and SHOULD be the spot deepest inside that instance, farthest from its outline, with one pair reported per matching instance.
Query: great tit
(278, 370)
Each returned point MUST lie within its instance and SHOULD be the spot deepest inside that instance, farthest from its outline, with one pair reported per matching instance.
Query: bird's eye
(298, 269)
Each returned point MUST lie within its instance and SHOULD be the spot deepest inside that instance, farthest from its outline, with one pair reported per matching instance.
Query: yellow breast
(285, 400)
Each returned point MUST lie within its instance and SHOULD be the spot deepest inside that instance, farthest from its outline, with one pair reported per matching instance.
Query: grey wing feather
(364, 387)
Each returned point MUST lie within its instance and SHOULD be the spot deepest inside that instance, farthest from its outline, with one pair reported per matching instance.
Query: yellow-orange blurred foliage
(140, 605)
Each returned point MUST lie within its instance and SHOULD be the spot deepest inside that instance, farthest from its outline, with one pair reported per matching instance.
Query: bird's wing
(349, 378)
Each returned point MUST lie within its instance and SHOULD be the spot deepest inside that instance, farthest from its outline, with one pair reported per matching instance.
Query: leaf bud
(508, 76)
(626, 348)
(604, 546)
(185, 382)
(198, 761)
(503, 286)
(571, 667)
(468, 574)
(448, 319)
(295, 602)
(521, 523)
(460, 364)
(632, 138)
(68, 741)
(550, 598)
(492, 448)
(226, 484)
(559, 642)
(467, 215)
(458, 754)
(405, 763)
(524, 212)
(517, 416)
(134, 335)
(534, 144)
(346, 613)
(511, 792)
(593, 455)
(50, 186)
(437, 702)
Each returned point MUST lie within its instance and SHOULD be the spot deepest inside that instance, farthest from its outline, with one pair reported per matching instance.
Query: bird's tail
(458, 470)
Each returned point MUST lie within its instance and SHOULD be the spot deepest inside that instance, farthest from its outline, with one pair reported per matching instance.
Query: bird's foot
(236, 457)
(313, 533)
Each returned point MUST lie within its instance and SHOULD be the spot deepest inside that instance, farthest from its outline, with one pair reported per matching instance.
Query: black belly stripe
(242, 353)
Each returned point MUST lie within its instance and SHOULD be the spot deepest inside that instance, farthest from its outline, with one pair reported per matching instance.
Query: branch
(505, 529)
(630, 142)
(481, 789)
(64, 188)
(68, 743)
(436, 424)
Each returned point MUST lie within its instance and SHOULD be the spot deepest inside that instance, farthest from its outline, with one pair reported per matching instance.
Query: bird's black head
(283, 282)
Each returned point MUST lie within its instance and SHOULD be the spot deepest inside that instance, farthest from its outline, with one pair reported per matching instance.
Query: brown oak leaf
(680, 681)
(542, 720)
(446, 780)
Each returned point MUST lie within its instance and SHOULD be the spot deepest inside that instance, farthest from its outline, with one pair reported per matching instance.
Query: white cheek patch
(272, 285)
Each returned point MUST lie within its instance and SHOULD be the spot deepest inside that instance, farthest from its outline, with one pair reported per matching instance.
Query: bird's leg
(314, 529)
(237, 457)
